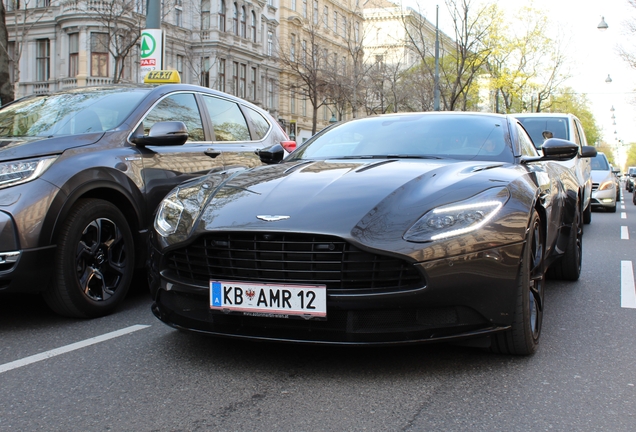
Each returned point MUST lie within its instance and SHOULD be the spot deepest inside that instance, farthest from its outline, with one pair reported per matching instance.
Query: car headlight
(22, 171)
(609, 184)
(180, 209)
(458, 218)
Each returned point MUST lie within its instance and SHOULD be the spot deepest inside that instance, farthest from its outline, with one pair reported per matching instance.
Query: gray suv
(82, 171)
(541, 126)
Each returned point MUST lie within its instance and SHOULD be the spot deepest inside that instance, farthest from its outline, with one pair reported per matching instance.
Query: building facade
(223, 44)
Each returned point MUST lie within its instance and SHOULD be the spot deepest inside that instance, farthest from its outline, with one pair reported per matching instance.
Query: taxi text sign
(151, 50)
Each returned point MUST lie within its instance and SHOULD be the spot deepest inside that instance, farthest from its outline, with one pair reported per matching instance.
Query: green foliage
(578, 104)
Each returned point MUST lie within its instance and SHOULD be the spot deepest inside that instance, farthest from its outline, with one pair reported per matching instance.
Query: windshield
(439, 136)
(69, 113)
(599, 163)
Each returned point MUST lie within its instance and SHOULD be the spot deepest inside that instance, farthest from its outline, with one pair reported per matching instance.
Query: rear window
(537, 125)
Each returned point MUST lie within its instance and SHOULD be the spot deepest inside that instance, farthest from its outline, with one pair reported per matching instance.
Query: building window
(293, 5)
(315, 16)
(270, 43)
(303, 47)
(235, 78)
(99, 54)
(253, 29)
(270, 93)
(292, 48)
(304, 106)
(42, 3)
(235, 28)
(205, 71)
(253, 83)
(242, 81)
(335, 22)
(11, 53)
(178, 17)
(304, 8)
(73, 54)
(42, 59)
(243, 23)
(292, 100)
(221, 84)
(325, 17)
(270, 3)
(357, 32)
(344, 26)
(180, 65)
(205, 16)
(222, 16)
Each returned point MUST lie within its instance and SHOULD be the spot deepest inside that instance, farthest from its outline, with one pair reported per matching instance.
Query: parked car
(630, 178)
(392, 229)
(565, 126)
(81, 172)
(605, 192)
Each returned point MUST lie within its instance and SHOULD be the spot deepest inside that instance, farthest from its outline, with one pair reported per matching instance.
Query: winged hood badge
(272, 218)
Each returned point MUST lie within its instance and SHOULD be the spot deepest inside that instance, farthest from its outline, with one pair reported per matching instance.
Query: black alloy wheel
(94, 261)
(523, 336)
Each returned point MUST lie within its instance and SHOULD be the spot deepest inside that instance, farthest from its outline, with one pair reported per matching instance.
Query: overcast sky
(593, 54)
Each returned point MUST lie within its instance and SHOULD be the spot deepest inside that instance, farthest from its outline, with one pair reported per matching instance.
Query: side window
(582, 139)
(527, 148)
(259, 124)
(178, 107)
(227, 120)
(575, 134)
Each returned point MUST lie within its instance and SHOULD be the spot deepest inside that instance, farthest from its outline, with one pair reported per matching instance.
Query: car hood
(599, 176)
(359, 198)
(27, 147)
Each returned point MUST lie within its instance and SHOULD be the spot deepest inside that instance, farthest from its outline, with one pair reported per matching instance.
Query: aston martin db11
(400, 228)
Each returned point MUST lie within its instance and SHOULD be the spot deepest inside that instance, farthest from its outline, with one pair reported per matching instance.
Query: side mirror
(588, 151)
(168, 133)
(271, 155)
(560, 149)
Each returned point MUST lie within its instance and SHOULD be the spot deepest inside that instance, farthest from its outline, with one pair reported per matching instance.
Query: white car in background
(565, 126)
(604, 190)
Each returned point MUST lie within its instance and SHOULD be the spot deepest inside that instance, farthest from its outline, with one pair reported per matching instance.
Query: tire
(569, 266)
(612, 209)
(523, 336)
(94, 262)
(587, 214)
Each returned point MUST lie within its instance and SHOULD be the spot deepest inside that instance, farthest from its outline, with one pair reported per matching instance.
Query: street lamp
(602, 26)
(608, 79)
(333, 119)
(436, 87)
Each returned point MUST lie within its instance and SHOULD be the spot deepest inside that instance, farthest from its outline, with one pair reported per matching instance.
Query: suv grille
(292, 258)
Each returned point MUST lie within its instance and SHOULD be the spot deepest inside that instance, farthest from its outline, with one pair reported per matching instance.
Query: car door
(164, 167)
(236, 138)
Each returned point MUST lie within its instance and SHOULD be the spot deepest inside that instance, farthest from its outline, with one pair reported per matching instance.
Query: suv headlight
(609, 184)
(458, 218)
(22, 171)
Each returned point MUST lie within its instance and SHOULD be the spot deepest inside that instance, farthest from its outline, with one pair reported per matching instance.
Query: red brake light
(290, 146)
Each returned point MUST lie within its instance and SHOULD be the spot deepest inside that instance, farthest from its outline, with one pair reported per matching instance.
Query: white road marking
(622, 207)
(623, 215)
(68, 348)
(624, 233)
(628, 290)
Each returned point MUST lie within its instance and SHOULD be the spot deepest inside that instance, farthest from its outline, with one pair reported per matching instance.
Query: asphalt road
(150, 377)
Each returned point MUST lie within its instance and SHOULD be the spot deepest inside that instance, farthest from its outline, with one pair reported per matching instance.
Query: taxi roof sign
(162, 77)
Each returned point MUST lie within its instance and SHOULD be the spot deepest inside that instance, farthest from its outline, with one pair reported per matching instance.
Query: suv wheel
(94, 262)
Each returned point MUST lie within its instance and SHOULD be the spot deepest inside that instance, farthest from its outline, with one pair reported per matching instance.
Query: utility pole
(436, 85)
(153, 14)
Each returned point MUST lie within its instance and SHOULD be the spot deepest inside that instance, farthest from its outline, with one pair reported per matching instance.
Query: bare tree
(24, 19)
(463, 58)
(308, 70)
(6, 89)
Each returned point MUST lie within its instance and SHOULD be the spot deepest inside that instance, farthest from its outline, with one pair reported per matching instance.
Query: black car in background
(81, 172)
(393, 229)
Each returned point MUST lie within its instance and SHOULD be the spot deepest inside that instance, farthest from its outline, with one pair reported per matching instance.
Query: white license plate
(275, 300)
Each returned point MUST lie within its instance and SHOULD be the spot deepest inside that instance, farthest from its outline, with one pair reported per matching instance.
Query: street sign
(151, 52)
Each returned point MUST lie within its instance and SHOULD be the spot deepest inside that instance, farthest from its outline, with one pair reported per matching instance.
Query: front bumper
(604, 199)
(464, 296)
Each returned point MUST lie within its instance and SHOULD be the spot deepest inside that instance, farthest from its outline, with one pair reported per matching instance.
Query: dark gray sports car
(393, 229)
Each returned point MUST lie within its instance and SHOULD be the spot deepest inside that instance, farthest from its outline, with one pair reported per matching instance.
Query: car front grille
(594, 187)
(292, 258)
